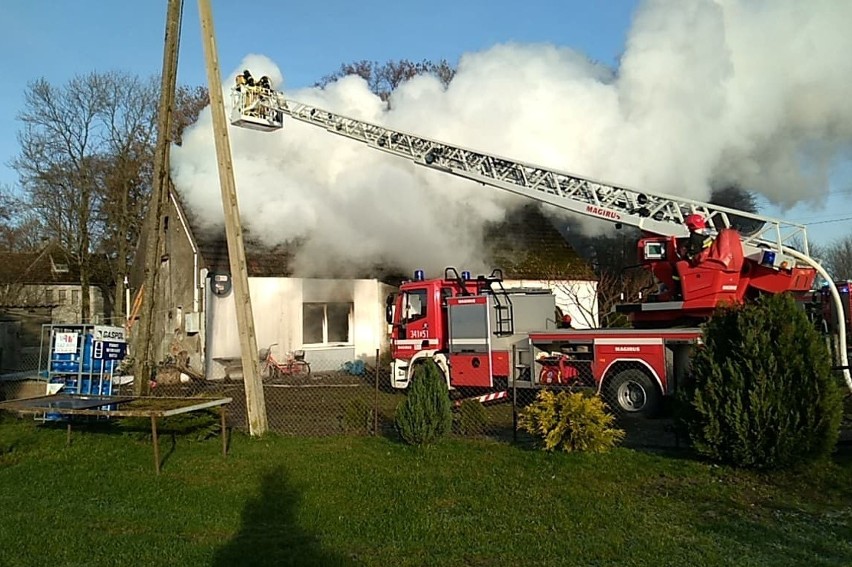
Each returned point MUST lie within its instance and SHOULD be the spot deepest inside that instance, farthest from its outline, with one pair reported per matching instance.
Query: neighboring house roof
(51, 265)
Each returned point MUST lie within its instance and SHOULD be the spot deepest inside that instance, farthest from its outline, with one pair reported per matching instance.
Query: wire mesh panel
(324, 398)
(483, 413)
(312, 396)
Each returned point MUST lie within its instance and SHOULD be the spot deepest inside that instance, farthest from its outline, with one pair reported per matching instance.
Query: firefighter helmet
(695, 223)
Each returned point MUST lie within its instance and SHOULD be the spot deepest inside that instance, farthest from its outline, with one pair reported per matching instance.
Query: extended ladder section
(655, 213)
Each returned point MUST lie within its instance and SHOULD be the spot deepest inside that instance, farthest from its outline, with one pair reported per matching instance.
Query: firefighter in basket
(699, 239)
(692, 249)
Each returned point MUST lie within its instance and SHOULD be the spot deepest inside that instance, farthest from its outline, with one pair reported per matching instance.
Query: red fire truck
(487, 337)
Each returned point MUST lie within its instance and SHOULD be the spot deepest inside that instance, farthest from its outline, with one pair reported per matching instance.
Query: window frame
(325, 323)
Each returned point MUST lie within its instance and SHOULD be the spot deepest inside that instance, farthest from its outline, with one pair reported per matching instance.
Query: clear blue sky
(59, 39)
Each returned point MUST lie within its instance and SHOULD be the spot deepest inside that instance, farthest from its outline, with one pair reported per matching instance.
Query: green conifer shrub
(426, 414)
(570, 421)
(762, 394)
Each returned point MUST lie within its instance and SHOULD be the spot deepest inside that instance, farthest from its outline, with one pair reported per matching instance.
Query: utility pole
(159, 200)
(255, 403)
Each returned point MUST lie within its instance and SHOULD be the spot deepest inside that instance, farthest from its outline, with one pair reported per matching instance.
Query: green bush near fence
(358, 416)
(426, 414)
(763, 394)
(570, 421)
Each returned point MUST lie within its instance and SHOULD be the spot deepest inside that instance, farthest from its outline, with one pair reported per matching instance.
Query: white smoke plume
(707, 93)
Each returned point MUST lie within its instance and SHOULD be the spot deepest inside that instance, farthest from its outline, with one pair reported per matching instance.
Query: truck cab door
(414, 328)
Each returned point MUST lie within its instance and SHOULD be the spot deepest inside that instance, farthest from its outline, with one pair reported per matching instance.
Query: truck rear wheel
(632, 393)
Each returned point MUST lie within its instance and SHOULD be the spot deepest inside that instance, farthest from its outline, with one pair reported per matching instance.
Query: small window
(75, 296)
(313, 323)
(48, 296)
(61, 293)
(326, 323)
(337, 317)
(58, 267)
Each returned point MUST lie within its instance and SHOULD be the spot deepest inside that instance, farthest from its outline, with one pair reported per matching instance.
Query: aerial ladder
(774, 255)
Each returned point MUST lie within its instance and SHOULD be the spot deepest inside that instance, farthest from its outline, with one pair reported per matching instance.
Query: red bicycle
(294, 364)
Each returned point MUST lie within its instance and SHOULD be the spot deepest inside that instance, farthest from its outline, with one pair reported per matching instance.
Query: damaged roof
(526, 245)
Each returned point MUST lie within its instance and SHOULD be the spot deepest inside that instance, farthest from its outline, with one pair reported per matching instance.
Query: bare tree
(8, 219)
(129, 129)
(60, 161)
(382, 79)
(837, 257)
(611, 290)
(189, 102)
(85, 165)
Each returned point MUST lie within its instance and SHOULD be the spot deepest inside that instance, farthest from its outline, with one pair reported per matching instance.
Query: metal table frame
(90, 406)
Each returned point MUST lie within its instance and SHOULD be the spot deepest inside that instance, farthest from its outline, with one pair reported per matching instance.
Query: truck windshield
(415, 305)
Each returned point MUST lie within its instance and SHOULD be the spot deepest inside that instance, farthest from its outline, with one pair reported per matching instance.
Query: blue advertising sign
(108, 350)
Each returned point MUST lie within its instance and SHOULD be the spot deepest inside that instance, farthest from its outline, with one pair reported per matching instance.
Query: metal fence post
(514, 372)
(376, 398)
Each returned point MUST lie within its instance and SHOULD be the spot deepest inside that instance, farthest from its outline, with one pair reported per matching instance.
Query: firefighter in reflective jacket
(691, 250)
(699, 238)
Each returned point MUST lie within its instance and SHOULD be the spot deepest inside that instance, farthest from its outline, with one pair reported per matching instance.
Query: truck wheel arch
(632, 389)
(439, 358)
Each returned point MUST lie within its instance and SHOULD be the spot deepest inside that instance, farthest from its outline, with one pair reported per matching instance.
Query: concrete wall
(277, 307)
(68, 308)
(67, 299)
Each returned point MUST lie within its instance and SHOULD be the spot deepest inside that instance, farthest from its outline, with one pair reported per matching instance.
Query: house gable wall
(180, 295)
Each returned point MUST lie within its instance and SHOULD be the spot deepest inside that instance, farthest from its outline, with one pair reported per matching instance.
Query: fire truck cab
(467, 325)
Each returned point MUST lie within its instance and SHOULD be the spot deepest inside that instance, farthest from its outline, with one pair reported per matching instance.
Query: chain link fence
(309, 395)
(20, 347)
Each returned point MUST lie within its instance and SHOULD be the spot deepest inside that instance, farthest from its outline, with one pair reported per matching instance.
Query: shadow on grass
(269, 533)
(782, 530)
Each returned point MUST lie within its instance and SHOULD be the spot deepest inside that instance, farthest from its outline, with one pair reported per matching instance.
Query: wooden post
(156, 443)
(255, 404)
(159, 200)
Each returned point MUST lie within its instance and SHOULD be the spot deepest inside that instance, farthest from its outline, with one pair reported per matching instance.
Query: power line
(828, 221)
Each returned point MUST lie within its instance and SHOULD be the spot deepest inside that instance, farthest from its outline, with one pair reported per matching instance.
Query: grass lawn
(369, 501)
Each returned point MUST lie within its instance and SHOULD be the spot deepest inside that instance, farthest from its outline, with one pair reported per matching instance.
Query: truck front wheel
(631, 393)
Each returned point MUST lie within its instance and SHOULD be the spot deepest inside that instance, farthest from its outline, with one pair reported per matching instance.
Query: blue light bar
(419, 275)
(768, 258)
(465, 275)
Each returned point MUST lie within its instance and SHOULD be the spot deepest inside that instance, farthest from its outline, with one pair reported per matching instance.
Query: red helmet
(695, 222)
